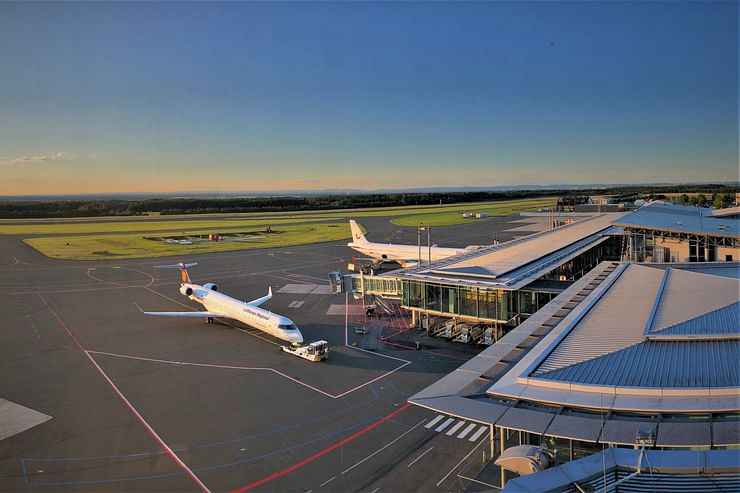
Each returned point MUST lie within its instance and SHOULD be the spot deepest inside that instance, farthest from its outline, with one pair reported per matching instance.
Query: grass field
(122, 246)
(205, 222)
(100, 238)
(210, 225)
(449, 218)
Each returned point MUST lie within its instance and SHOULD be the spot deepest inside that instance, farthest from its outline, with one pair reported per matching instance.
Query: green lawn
(113, 246)
(212, 225)
(449, 218)
(115, 240)
(205, 222)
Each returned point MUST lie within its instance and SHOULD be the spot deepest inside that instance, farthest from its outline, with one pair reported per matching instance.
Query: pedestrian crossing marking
(434, 421)
(456, 427)
(444, 425)
(478, 433)
(467, 430)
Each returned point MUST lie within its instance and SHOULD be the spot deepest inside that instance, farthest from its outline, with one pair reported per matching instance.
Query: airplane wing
(264, 299)
(186, 314)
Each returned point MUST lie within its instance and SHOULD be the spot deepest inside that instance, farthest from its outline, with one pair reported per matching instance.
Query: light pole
(429, 244)
(418, 241)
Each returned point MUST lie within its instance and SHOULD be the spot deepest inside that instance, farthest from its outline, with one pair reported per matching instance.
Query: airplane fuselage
(271, 323)
(403, 253)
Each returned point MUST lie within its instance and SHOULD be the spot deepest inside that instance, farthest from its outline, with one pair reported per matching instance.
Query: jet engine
(186, 290)
(211, 286)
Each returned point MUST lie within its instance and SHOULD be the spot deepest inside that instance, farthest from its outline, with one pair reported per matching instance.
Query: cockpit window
(288, 327)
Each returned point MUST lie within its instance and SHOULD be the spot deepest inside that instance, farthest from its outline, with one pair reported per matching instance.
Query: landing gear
(209, 320)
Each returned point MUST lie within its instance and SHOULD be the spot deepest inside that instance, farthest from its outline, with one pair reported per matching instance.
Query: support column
(502, 439)
(492, 441)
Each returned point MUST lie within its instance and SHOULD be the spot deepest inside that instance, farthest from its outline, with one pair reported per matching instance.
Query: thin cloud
(32, 159)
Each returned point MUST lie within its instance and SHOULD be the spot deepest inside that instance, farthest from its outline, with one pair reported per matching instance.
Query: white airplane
(406, 255)
(219, 305)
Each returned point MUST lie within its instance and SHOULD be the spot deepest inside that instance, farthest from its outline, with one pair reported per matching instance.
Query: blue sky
(133, 97)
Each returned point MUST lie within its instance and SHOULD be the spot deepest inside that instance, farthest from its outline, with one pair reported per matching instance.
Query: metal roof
(624, 432)
(481, 410)
(624, 338)
(687, 295)
(576, 427)
(660, 470)
(725, 432)
(620, 314)
(723, 322)
(674, 364)
(516, 263)
(681, 219)
(644, 377)
(682, 433)
(526, 419)
(720, 269)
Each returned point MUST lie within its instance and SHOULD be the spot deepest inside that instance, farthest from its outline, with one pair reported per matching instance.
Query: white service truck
(316, 351)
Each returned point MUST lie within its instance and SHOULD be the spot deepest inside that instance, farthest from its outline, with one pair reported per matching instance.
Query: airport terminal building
(629, 350)
(620, 333)
(499, 286)
(662, 232)
(495, 288)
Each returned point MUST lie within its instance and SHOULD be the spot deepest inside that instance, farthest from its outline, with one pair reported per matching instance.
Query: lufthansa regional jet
(406, 255)
(219, 305)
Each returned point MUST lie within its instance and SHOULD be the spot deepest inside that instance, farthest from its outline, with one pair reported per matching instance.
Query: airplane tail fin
(183, 269)
(357, 235)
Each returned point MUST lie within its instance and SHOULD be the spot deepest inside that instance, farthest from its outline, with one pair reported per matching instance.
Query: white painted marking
(444, 425)
(328, 481)
(375, 490)
(156, 436)
(422, 455)
(478, 433)
(467, 430)
(207, 365)
(461, 461)
(298, 304)
(385, 446)
(454, 429)
(434, 421)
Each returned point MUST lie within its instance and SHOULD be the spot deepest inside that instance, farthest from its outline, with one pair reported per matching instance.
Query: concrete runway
(165, 404)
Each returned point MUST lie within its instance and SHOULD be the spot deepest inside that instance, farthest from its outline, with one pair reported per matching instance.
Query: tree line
(720, 194)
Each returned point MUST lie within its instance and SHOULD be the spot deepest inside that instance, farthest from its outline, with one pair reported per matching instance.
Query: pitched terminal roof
(513, 264)
(681, 219)
(653, 328)
(635, 379)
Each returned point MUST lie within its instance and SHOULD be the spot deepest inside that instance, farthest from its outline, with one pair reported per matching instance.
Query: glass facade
(485, 304)
(449, 299)
(469, 302)
(503, 306)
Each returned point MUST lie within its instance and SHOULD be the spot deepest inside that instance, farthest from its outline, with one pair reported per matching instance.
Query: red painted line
(322, 453)
(130, 407)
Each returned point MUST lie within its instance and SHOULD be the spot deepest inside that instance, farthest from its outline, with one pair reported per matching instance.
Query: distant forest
(94, 208)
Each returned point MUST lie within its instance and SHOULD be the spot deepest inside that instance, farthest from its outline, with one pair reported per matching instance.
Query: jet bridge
(360, 285)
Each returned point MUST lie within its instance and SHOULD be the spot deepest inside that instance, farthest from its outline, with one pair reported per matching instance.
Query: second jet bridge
(361, 284)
